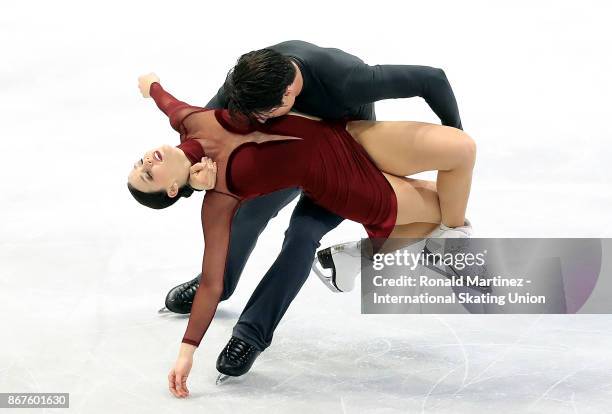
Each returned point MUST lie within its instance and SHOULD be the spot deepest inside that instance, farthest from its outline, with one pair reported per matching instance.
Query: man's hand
(144, 83)
(203, 175)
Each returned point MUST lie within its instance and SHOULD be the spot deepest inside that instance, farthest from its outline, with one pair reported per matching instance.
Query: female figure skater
(355, 169)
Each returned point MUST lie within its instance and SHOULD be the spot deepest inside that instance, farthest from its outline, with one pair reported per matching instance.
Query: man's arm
(365, 83)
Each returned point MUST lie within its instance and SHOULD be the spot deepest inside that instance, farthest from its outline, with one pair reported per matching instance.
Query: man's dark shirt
(338, 84)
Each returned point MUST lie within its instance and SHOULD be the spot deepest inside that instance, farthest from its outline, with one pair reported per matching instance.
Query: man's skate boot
(236, 359)
(180, 298)
(344, 261)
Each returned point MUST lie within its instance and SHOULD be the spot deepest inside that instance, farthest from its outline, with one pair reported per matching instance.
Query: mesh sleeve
(217, 213)
(175, 109)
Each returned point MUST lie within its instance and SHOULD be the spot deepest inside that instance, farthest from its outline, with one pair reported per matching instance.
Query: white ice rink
(83, 268)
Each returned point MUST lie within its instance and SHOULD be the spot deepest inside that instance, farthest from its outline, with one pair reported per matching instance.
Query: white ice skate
(344, 260)
(445, 232)
(444, 240)
(461, 233)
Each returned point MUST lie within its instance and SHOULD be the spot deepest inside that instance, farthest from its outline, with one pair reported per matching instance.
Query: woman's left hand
(177, 378)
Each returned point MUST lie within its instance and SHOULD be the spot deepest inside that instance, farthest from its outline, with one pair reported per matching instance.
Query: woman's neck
(186, 163)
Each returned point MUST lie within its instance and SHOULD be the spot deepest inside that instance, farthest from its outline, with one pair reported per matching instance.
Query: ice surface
(83, 269)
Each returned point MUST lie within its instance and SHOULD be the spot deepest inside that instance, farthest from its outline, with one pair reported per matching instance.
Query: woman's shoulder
(233, 124)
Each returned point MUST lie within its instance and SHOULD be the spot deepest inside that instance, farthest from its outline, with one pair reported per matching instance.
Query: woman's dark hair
(159, 199)
(257, 83)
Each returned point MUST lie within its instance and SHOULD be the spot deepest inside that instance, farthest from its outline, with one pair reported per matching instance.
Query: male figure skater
(323, 82)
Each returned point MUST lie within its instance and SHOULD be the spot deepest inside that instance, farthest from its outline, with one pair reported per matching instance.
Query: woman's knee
(465, 148)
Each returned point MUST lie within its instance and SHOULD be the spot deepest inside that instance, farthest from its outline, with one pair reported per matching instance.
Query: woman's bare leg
(404, 148)
(418, 212)
(417, 200)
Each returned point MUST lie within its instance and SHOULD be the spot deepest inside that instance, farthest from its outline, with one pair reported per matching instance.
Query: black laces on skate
(187, 291)
(237, 350)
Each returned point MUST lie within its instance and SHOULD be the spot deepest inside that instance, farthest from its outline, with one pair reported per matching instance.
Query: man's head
(262, 85)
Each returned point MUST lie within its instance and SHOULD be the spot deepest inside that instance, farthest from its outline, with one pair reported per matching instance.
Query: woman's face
(159, 169)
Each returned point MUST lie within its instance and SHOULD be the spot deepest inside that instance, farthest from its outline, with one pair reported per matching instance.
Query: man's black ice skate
(180, 298)
(236, 359)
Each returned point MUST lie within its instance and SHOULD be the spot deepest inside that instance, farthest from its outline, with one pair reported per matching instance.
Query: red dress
(320, 157)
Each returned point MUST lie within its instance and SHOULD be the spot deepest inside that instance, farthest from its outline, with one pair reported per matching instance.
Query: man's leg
(248, 223)
(277, 289)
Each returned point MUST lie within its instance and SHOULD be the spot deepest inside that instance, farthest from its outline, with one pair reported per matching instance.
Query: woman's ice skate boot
(444, 240)
(436, 242)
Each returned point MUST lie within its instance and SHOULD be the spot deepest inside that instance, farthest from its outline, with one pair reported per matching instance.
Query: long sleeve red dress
(320, 157)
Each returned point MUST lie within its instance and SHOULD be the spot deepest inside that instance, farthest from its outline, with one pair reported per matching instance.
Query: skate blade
(221, 379)
(164, 310)
(327, 280)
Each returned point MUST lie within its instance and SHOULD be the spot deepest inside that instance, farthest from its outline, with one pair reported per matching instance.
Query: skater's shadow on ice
(221, 314)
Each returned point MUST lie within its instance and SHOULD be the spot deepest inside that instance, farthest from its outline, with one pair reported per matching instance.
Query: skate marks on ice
(513, 364)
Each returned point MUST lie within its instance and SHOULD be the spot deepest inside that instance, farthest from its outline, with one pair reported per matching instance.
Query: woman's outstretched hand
(177, 378)
(203, 175)
(144, 83)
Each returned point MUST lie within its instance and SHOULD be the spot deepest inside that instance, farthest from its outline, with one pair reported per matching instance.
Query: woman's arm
(217, 213)
(175, 110)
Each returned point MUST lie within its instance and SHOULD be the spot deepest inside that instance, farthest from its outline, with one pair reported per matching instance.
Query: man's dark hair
(159, 199)
(257, 83)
